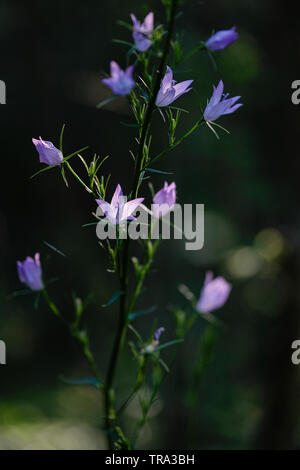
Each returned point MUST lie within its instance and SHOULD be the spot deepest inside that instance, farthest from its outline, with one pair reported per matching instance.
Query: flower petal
(129, 208)
(182, 87)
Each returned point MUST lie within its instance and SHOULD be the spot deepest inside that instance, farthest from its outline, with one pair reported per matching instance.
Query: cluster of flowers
(215, 292)
(121, 82)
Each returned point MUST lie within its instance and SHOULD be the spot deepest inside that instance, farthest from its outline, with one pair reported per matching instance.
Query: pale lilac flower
(214, 294)
(121, 81)
(168, 91)
(142, 31)
(118, 210)
(219, 104)
(30, 272)
(222, 39)
(164, 200)
(48, 153)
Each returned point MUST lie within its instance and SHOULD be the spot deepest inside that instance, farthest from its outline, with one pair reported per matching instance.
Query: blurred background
(52, 57)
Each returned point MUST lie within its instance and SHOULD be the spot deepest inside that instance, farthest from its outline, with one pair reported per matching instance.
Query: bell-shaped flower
(118, 211)
(48, 153)
(214, 294)
(221, 39)
(219, 104)
(30, 272)
(142, 31)
(164, 200)
(121, 81)
(170, 90)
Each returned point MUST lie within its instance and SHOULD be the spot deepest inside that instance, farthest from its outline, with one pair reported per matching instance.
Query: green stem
(151, 104)
(175, 144)
(194, 51)
(83, 340)
(142, 276)
(109, 416)
(78, 178)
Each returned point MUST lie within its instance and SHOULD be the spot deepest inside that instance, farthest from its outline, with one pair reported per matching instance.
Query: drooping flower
(164, 200)
(155, 342)
(48, 153)
(30, 272)
(221, 39)
(121, 81)
(219, 104)
(214, 294)
(142, 31)
(118, 210)
(170, 90)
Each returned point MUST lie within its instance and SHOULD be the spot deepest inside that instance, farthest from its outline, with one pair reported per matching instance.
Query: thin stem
(142, 276)
(194, 51)
(109, 416)
(151, 104)
(78, 178)
(175, 144)
(83, 340)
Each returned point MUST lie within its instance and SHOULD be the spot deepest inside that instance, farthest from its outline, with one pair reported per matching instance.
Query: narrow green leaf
(127, 124)
(37, 301)
(126, 25)
(21, 292)
(115, 297)
(61, 138)
(139, 313)
(54, 249)
(81, 381)
(125, 43)
(152, 170)
(106, 101)
(166, 345)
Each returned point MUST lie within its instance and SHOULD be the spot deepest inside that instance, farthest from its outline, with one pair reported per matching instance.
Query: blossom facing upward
(155, 342)
(219, 104)
(164, 200)
(48, 153)
(118, 210)
(214, 294)
(121, 81)
(170, 90)
(30, 272)
(142, 31)
(157, 333)
(221, 39)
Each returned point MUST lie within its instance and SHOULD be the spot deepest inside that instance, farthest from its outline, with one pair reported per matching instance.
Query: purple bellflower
(169, 91)
(164, 200)
(214, 294)
(48, 153)
(118, 210)
(121, 81)
(30, 272)
(219, 104)
(142, 31)
(221, 39)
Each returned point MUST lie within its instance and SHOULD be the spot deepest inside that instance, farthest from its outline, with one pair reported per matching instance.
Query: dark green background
(52, 55)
